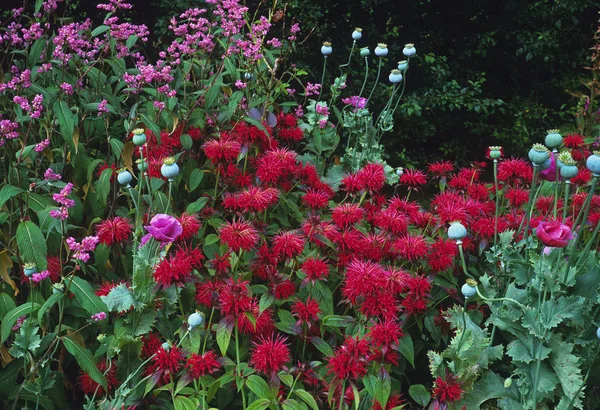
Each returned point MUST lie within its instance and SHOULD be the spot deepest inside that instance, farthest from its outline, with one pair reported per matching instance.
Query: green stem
(566, 205)
(349, 56)
(586, 212)
(342, 395)
(216, 185)
(366, 77)
(170, 192)
(529, 204)
(462, 259)
(376, 81)
(464, 317)
(522, 306)
(496, 214)
(587, 374)
(322, 78)
(237, 358)
(556, 184)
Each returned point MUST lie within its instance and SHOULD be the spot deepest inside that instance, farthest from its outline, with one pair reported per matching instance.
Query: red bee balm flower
(189, 224)
(447, 391)
(89, 386)
(113, 230)
(200, 365)
(270, 354)
(554, 234)
(239, 235)
(166, 363)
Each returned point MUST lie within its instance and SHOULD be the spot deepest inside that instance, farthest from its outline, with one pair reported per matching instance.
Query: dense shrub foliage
(197, 225)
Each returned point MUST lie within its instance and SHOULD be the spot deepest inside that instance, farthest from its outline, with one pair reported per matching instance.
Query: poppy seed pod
(409, 50)
(357, 34)
(553, 139)
(326, 49)
(538, 154)
(124, 177)
(457, 230)
(381, 50)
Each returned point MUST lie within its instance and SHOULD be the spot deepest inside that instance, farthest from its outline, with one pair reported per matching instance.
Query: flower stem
(586, 212)
(237, 358)
(170, 191)
(496, 214)
(366, 77)
(522, 306)
(322, 78)
(376, 81)
(462, 259)
(529, 204)
(566, 205)
(342, 395)
(556, 184)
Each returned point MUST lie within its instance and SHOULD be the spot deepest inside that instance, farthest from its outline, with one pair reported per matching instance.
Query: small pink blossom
(42, 145)
(50, 175)
(98, 317)
(38, 277)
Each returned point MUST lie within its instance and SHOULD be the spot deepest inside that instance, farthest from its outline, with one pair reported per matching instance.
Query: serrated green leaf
(28, 340)
(565, 364)
(32, 244)
(120, 299)
(11, 317)
(85, 360)
(554, 311)
(85, 296)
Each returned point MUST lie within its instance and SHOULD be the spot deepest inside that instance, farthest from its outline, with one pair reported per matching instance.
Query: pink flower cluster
(355, 101)
(34, 109)
(312, 89)
(99, 316)
(83, 249)
(50, 175)
(8, 130)
(63, 199)
(42, 145)
(18, 80)
(38, 277)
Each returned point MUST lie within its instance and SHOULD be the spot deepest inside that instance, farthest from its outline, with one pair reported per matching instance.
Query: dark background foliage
(487, 72)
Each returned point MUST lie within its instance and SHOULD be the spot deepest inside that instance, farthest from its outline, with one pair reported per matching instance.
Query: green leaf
(224, 330)
(99, 30)
(196, 177)
(419, 394)
(378, 389)
(85, 296)
(117, 146)
(266, 300)
(407, 349)
(197, 206)
(307, 398)
(6, 304)
(11, 318)
(151, 125)
(565, 364)
(8, 376)
(28, 340)
(48, 304)
(32, 244)
(65, 120)
(103, 185)
(186, 143)
(260, 404)
(85, 360)
(554, 311)
(210, 239)
(120, 299)
(259, 387)
(338, 321)
(322, 346)
(7, 192)
(291, 404)
(490, 386)
(131, 41)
